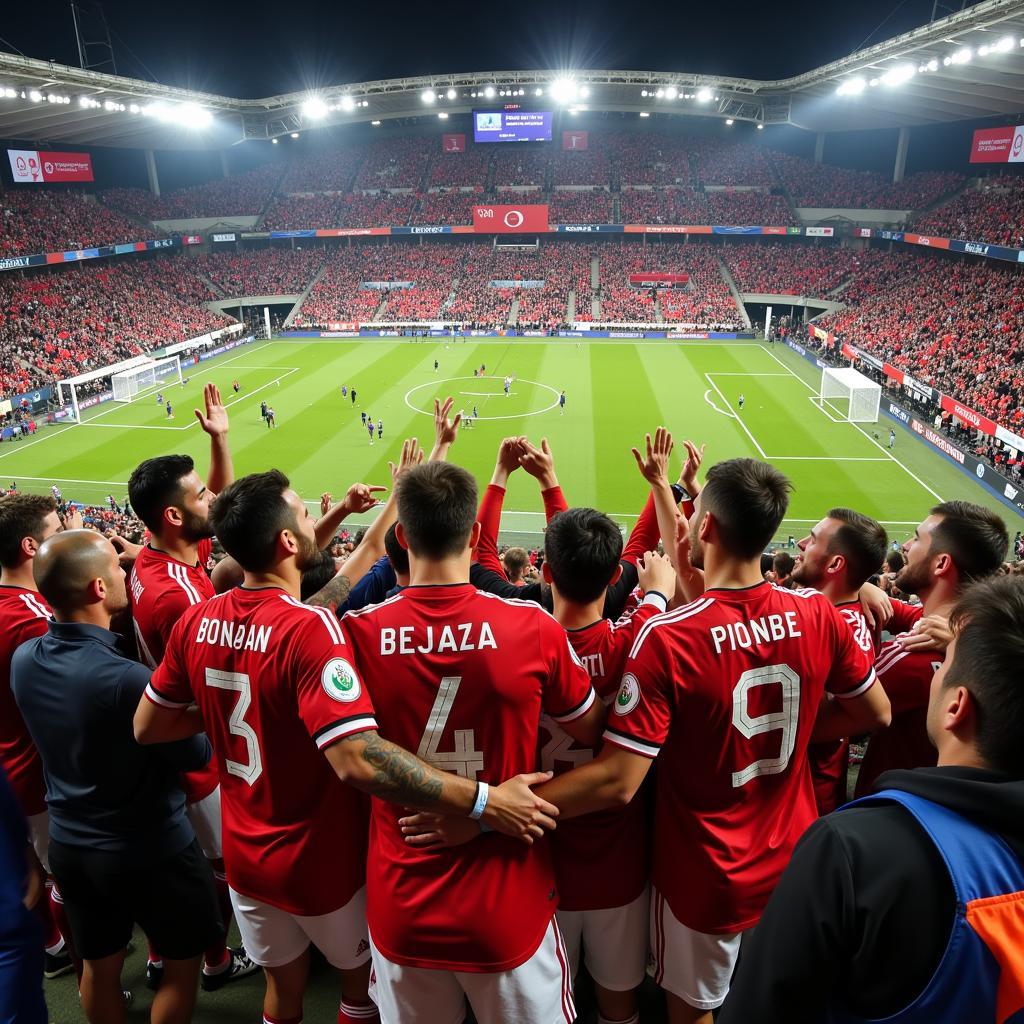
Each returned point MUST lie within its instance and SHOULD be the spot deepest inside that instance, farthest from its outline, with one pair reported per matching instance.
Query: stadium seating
(589, 166)
(707, 302)
(518, 166)
(446, 208)
(724, 162)
(329, 170)
(394, 163)
(732, 207)
(468, 169)
(786, 269)
(663, 206)
(648, 159)
(588, 207)
(620, 301)
(993, 214)
(263, 271)
(47, 220)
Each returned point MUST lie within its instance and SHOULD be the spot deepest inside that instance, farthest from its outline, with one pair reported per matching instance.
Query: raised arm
(215, 423)
(446, 430)
(360, 498)
(540, 463)
(489, 515)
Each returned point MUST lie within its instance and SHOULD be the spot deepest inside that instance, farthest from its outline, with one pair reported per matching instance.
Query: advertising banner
(510, 219)
(342, 325)
(31, 166)
(656, 279)
(575, 140)
(453, 143)
(968, 416)
(227, 237)
(862, 232)
(998, 145)
(512, 126)
(819, 232)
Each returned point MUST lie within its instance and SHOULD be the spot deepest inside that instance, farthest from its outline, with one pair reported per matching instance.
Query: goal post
(127, 384)
(849, 393)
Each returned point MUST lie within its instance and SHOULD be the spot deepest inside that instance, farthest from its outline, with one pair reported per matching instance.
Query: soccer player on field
(380, 429)
(369, 429)
(170, 411)
(463, 678)
(159, 398)
(959, 542)
(742, 400)
(836, 558)
(727, 691)
(26, 520)
(290, 722)
(167, 578)
(561, 404)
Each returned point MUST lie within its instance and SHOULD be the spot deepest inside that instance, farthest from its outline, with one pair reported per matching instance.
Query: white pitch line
(732, 411)
(884, 451)
(824, 458)
(721, 412)
(719, 373)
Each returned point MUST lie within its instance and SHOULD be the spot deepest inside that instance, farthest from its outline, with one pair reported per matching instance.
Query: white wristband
(482, 793)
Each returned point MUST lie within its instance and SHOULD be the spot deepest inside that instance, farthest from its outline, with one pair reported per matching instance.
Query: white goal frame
(863, 395)
(128, 384)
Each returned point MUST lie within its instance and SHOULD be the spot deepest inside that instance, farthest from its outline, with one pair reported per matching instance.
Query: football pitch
(615, 392)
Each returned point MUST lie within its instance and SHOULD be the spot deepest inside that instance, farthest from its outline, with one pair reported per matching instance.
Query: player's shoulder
(369, 612)
(518, 608)
(663, 626)
(320, 622)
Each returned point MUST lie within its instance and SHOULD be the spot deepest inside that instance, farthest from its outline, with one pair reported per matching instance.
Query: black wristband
(680, 493)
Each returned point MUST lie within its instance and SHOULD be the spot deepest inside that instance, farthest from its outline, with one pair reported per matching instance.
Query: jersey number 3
(784, 720)
(464, 760)
(252, 768)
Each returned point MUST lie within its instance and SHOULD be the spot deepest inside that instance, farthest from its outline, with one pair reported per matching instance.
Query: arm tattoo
(398, 775)
(335, 593)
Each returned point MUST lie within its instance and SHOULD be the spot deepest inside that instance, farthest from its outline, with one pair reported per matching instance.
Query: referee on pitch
(121, 848)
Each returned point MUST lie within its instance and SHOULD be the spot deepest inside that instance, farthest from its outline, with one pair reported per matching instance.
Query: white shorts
(272, 937)
(538, 991)
(614, 942)
(691, 965)
(39, 836)
(205, 818)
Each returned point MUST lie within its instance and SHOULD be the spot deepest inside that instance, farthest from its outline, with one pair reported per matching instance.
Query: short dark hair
(156, 484)
(748, 500)
(21, 516)
(894, 560)
(317, 576)
(988, 621)
(582, 548)
(861, 540)
(974, 536)
(397, 555)
(437, 509)
(783, 563)
(248, 515)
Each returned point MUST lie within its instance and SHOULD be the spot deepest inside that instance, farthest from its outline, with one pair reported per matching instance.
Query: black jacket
(863, 913)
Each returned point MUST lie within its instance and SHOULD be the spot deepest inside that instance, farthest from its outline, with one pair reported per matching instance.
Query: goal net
(129, 383)
(850, 394)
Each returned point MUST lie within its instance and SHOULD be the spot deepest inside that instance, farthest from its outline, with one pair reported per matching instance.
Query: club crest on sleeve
(628, 696)
(340, 680)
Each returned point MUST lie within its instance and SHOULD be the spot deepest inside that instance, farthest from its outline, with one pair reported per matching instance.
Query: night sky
(259, 49)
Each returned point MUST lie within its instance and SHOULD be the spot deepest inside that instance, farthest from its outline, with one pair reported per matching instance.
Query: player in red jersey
(836, 558)
(275, 686)
(167, 578)
(26, 520)
(463, 677)
(958, 543)
(728, 690)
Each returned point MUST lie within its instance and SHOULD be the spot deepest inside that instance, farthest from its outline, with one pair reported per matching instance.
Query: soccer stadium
(370, 447)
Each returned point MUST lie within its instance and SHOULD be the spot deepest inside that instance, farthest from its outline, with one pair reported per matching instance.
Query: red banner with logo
(510, 219)
(968, 416)
(992, 145)
(893, 373)
(343, 325)
(453, 143)
(929, 240)
(575, 140)
(659, 280)
(29, 165)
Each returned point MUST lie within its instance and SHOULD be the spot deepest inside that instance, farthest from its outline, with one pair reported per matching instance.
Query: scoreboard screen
(512, 125)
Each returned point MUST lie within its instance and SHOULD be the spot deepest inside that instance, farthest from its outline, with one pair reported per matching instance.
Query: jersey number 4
(784, 720)
(464, 760)
(252, 768)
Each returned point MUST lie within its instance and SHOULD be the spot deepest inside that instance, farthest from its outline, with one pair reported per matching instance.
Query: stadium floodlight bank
(850, 394)
(127, 384)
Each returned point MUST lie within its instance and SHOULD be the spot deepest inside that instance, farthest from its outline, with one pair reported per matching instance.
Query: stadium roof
(967, 66)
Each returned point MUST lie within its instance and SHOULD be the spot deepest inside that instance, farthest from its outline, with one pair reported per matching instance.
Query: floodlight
(1005, 44)
(295, 135)
(35, 96)
(643, 92)
(851, 87)
(584, 92)
(376, 124)
(134, 108)
(452, 94)
(348, 104)
(933, 65)
(760, 127)
(489, 92)
(274, 141)
(443, 114)
(671, 92)
(538, 91)
(643, 113)
(660, 94)
(703, 95)
(428, 96)
(898, 75)
(961, 56)
(563, 90)
(983, 51)
(729, 120)
(314, 108)
(83, 101)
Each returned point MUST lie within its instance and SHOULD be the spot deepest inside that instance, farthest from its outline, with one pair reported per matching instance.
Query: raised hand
(73, 519)
(688, 474)
(412, 455)
(539, 462)
(360, 498)
(445, 429)
(326, 501)
(215, 421)
(654, 466)
(656, 572)
(127, 552)
(509, 453)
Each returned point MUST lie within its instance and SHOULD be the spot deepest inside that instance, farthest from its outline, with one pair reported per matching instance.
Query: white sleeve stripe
(632, 744)
(326, 617)
(34, 605)
(857, 691)
(162, 701)
(579, 710)
(889, 658)
(180, 576)
(327, 737)
(675, 616)
(147, 654)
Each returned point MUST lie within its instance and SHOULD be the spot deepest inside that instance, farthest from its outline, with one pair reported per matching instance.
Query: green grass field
(615, 393)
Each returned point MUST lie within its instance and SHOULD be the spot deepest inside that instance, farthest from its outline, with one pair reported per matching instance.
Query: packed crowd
(563, 269)
(663, 206)
(446, 208)
(956, 326)
(131, 796)
(648, 158)
(707, 301)
(777, 267)
(263, 271)
(993, 213)
(589, 166)
(466, 169)
(51, 220)
(593, 206)
(354, 210)
(722, 162)
(394, 163)
(57, 325)
(762, 208)
(516, 166)
(621, 301)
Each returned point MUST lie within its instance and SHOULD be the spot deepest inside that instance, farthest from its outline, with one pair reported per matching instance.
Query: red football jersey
(727, 690)
(907, 679)
(461, 677)
(275, 683)
(601, 858)
(162, 589)
(830, 762)
(23, 615)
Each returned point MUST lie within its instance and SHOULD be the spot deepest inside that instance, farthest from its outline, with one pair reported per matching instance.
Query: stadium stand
(446, 208)
(721, 162)
(580, 207)
(521, 167)
(707, 301)
(731, 207)
(789, 269)
(263, 271)
(992, 213)
(394, 163)
(589, 166)
(620, 301)
(648, 159)
(663, 206)
(454, 170)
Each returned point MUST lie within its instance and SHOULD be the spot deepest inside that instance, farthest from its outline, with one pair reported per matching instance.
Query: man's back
(727, 689)
(23, 615)
(462, 678)
(272, 680)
